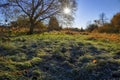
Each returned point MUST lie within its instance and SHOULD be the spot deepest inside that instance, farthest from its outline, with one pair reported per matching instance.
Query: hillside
(60, 56)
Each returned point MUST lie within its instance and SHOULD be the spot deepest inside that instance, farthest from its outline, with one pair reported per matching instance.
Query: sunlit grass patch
(35, 60)
(22, 65)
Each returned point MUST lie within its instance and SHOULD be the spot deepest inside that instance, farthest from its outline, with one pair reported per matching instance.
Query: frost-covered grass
(60, 56)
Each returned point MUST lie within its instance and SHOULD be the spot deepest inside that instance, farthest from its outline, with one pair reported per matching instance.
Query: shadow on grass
(71, 63)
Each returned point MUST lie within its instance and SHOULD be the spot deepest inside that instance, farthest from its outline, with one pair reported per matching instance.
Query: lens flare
(67, 10)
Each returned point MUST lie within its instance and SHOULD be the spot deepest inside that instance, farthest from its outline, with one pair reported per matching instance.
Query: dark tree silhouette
(102, 18)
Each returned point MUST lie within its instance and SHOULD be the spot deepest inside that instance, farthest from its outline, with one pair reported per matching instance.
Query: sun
(67, 10)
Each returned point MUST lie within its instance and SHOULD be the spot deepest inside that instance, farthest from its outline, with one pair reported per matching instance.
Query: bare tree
(102, 19)
(39, 10)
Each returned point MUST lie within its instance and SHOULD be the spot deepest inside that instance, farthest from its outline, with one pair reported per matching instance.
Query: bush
(107, 28)
(91, 27)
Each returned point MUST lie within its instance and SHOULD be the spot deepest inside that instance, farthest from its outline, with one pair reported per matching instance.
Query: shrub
(91, 27)
(107, 28)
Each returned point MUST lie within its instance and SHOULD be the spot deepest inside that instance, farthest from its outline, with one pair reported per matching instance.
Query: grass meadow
(60, 56)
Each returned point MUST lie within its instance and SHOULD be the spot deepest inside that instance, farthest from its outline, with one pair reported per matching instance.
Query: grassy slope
(58, 56)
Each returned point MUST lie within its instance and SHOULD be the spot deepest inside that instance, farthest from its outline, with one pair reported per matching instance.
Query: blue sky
(89, 10)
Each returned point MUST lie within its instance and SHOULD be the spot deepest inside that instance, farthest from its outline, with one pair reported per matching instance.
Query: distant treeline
(106, 27)
(21, 25)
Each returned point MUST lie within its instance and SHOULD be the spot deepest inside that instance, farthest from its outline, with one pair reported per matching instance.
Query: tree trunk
(31, 28)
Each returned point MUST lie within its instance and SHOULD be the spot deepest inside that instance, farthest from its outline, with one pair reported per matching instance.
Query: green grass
(58, 56)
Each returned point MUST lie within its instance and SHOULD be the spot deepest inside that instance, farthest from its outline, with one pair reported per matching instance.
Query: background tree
(81, 30)
(91, 27)
(102, 19)
(39, 10)
(116, 22)
(23, 23)
(40, 27)
(53, 24)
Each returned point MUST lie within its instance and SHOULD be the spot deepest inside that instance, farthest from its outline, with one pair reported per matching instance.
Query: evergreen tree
(53, 24)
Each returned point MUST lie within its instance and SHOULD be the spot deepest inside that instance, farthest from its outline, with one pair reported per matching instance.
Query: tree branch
(36, 7)
(43, 11)
(4, 5)
(22, 8)
(48, 16)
